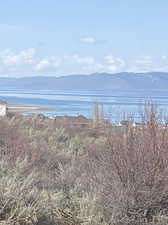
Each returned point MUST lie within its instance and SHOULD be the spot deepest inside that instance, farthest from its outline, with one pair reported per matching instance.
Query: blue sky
(61, 37)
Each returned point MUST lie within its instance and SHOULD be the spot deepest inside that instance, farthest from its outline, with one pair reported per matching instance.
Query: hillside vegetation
(71, 171)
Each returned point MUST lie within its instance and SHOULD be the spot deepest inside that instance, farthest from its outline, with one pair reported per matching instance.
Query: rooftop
(3, 102)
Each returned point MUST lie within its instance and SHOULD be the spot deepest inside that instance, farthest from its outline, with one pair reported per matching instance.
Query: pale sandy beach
(19, 108)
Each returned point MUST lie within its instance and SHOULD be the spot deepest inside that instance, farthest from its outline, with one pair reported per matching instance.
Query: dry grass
(53, 173)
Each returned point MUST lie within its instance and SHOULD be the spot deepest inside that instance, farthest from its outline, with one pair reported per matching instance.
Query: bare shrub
(22, 203)
(130, 173)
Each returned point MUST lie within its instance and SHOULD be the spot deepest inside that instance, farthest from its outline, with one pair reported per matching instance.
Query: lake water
(116, 104)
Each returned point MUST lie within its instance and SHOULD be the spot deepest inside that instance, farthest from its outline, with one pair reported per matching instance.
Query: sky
(63, 37)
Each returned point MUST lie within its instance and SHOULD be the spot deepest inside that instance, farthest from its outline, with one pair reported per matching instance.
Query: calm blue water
(116, 104)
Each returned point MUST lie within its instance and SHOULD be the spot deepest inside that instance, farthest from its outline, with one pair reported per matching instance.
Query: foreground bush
(131, 173)
(22, 203)
(62, 174)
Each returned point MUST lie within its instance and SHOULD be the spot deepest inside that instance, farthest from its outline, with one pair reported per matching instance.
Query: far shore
(20, 108)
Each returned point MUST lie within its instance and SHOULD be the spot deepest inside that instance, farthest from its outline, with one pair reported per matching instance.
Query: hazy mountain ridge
(97, 81)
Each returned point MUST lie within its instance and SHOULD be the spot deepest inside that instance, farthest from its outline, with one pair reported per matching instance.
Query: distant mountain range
(97, 81)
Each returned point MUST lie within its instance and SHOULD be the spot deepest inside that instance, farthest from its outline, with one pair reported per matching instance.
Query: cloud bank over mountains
(29, 62)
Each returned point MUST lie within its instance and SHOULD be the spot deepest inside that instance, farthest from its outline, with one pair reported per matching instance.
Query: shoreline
(21, 108)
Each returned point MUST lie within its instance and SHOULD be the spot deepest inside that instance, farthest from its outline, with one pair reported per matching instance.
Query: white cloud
(113, 64)
(147, 64)
(112, 68)
(164, 57)
(114, 61)
(83, 60)
(10, 58)
(28, 62)
(88, 40)
(145, 61)
(43, 64)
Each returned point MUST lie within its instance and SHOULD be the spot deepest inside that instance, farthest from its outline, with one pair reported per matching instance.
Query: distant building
(125, 123)
(3, 108)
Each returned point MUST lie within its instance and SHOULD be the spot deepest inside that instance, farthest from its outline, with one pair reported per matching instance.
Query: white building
(3, 108)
